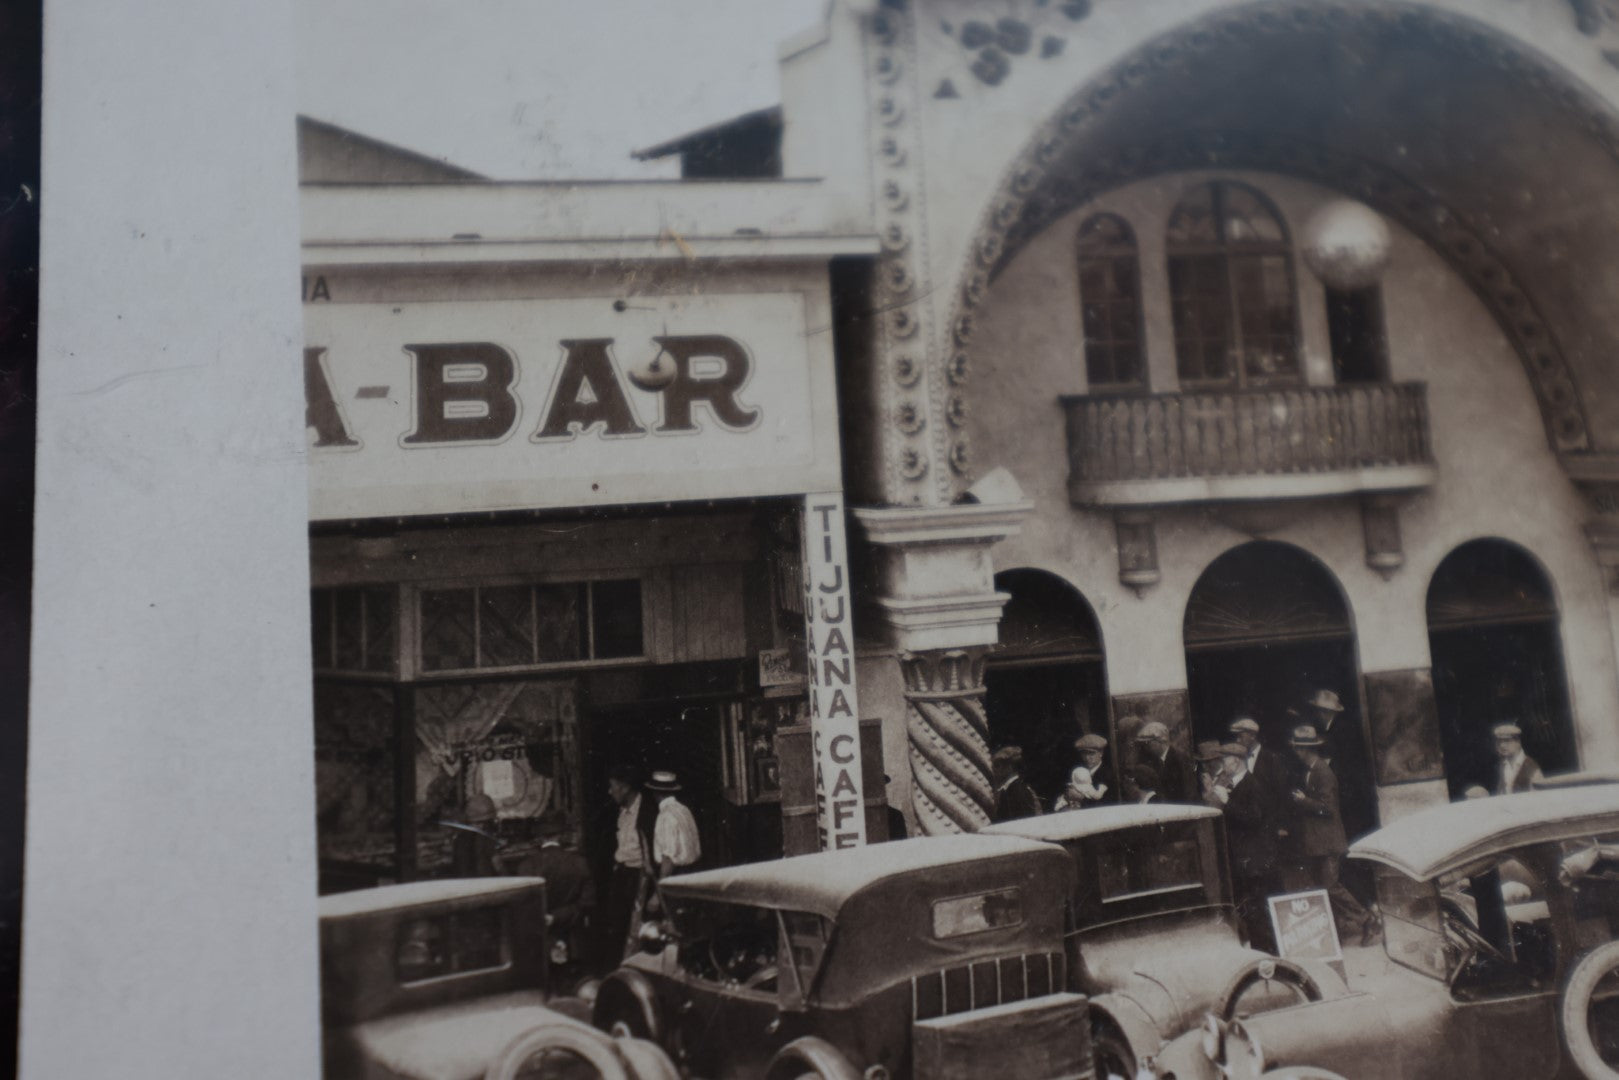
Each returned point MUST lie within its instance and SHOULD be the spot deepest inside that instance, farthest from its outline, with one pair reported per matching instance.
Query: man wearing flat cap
(1269, 771)
(1515, 770)
(1321, 840)
(1251, 841)
(1086, 785)
(1177, 781)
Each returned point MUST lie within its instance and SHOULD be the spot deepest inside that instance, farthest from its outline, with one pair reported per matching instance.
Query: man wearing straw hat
(675, 843)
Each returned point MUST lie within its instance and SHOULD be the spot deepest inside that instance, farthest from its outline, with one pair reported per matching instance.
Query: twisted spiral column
(949, 739)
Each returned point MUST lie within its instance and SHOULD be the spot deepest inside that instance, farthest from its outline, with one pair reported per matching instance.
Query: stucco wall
(1497, 476)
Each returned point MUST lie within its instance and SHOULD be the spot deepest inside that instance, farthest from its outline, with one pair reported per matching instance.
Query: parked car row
(1098, 943)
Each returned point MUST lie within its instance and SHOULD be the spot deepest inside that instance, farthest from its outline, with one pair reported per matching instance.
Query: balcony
(1226, 445)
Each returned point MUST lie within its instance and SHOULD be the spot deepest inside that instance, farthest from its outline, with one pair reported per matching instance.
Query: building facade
(1175, 362)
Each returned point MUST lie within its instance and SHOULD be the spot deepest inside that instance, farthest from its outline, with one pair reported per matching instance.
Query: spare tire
(1594, 1054)
(564, 1037)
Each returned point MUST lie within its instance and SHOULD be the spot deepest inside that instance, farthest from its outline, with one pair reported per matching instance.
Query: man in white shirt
(1517, 771)
(674, 836)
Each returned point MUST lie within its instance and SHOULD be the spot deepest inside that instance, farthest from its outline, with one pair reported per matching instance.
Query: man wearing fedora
(1320, 833)
(1269, 773)
(675, 844)
(1211, 773)
(1515, 770)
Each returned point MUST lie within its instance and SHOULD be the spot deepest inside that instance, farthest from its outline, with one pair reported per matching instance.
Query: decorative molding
(900, 290)
(994, 47)
(949, 740)
(1138, 550)
(971, 523)
(1039, 177)
(1380, 523)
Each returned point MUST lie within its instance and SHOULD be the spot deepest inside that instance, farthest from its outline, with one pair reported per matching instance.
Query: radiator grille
(987, 982)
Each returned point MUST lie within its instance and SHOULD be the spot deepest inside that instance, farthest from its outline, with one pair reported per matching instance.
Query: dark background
(19, 319)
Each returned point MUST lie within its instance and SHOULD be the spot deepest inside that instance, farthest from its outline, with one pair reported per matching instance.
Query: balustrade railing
(1232, 433)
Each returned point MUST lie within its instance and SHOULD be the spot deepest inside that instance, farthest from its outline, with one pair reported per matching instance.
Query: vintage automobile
(1153, 937)
(442, 980)
(934, 958)
(1499, 917)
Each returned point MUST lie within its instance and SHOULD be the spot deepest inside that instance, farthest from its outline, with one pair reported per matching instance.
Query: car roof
(821, 882)
(1094, 820)
(1438, 839)
(420, 893)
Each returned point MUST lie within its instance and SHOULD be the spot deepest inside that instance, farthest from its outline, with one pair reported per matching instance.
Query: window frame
(416, 591)
(1105, 254)
(1237, 376)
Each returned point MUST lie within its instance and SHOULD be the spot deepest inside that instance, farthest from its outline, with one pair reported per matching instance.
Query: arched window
(1231, 288)
(1109, 295)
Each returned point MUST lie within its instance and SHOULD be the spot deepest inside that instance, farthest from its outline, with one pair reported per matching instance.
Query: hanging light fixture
(1346, 244)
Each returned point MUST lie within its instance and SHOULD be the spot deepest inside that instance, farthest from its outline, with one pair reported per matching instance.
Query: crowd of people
(1284, 822)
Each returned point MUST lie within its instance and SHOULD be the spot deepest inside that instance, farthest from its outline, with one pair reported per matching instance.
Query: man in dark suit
(1251, 840)
(1177, 780)
(1014, 798)
(570, 897)
(1321, 841)
(1271, 773)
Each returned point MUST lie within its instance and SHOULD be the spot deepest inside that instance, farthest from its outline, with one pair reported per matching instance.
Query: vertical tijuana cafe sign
(453, 407)
(834, 703)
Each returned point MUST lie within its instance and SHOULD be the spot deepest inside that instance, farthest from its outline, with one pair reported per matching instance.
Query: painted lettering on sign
(460, 405)
(834, 700)
(1304, 926)
(466, 392)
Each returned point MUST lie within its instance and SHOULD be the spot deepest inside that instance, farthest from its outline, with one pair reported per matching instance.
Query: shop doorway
(1266, 628)
(681, 737)
(1497, 657)
(1045, 686)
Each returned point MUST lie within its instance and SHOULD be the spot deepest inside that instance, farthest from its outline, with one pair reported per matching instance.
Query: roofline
(391, 148)
(769, 114)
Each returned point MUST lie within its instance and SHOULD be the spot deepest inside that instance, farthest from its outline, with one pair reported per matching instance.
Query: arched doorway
(1266, 628)
(1045, 686)
(1497, 656)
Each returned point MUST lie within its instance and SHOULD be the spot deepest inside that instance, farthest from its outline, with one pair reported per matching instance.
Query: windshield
(750, 948)
(1412, 933)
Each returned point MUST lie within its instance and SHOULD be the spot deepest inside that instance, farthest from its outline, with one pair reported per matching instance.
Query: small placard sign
(1304, 926)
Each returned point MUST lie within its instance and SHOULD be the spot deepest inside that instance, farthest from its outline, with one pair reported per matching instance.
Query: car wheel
(1110, 1053)
(557, 1051)
(810, 1058)
(626, 1010)
(1265, 985)
(1589, 1014)
(646, 1060)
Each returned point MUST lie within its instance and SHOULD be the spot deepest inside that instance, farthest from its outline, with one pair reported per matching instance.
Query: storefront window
(516, 742)
(353, 629)
(354, 784)
(506, 627)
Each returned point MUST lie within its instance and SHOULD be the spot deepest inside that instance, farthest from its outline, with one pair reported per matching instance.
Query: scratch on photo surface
(114, 384)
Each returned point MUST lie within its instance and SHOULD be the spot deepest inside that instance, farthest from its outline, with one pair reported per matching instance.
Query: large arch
(1434, 118)
(1267, 626)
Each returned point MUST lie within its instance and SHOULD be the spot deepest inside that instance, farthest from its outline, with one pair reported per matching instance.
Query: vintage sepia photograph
(886, 539)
